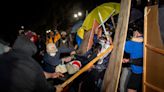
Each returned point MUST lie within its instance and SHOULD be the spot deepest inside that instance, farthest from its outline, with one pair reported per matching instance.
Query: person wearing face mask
(63, 43)
(105, 43)
(52, 57)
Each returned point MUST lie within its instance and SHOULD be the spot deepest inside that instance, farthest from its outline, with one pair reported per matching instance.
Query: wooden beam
(155, 49)
(83, 47)
(145, 49)
(112, 74)
(153, 87)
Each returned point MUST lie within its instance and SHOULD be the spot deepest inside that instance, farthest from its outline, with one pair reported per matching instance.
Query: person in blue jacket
(135, 48)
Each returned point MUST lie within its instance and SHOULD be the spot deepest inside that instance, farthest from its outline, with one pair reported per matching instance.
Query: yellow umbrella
(106, 10)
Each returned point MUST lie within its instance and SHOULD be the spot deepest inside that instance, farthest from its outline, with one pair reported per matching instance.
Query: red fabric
(35, 38)
(32, 36)
(76, 63)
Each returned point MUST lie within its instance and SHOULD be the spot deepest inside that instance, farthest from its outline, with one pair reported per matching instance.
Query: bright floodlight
(79, 14)
(75, 15)
(22, 27)
(47, 32)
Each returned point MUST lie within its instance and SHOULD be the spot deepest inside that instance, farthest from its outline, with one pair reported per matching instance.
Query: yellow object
(53, 39)
(50, 40)
(80, 32)
(57, 37)
(106, 10)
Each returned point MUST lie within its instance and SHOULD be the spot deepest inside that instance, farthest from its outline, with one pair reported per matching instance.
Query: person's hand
(91, 67)
(75, 47)
(56, 75)
(67, 59)
(63, 59)
(59, 88)
(125, 60)
(73, 53)
(42, 53)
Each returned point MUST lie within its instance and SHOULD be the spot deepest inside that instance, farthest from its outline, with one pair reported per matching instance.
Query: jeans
(124, 79)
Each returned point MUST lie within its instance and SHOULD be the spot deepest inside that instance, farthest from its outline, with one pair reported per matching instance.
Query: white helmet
(63, 33)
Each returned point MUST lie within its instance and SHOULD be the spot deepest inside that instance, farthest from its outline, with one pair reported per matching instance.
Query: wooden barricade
(153, 76)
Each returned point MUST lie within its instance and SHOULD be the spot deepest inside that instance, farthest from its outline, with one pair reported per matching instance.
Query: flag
(80, 36)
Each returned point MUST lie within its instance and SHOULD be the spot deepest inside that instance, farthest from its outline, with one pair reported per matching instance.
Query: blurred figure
(52, 57)
(4, 47)
(105, 43)
(63, 43)
(135, 48)
(21, 31)
(41, 46)
(21, 73)
(53, 37)
(125, 73)
(31, 35)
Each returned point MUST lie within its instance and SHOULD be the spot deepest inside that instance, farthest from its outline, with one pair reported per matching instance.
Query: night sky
(38, 15)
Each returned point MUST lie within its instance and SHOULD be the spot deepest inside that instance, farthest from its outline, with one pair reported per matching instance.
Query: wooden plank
(153, 31)
(153, 87)
(145, 50)
(157, 50)
(88, 38)
(154, 67)
(83, 47)
(111, 78)
(88, 66)
(94, 28)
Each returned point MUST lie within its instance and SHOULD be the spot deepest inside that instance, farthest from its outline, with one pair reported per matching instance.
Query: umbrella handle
(102, 22)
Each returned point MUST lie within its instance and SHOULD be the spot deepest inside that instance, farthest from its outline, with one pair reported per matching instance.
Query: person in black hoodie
(19, 72)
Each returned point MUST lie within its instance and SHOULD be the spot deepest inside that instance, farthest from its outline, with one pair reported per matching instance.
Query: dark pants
(135, 82)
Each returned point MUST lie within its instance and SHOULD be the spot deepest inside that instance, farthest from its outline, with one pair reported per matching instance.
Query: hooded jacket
(20, 72)
(135, 48)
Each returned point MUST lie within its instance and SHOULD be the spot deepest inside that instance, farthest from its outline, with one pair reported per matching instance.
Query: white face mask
(102, 42)
(64, 41)
(52, 54)
(51, 48)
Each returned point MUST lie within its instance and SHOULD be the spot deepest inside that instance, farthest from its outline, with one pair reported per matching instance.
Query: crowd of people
(32, 64)
(28, 64)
